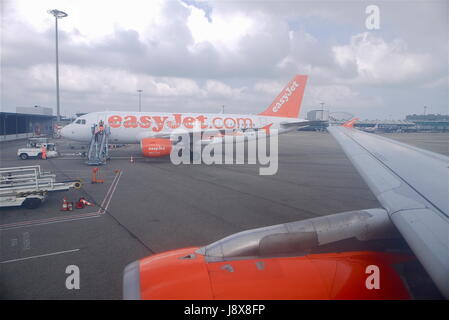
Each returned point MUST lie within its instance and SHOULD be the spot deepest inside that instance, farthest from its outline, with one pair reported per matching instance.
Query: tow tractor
(29, 186)
(33, 149)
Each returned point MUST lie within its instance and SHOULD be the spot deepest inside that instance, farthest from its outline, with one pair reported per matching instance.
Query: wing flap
(427, 234)
(420, 176)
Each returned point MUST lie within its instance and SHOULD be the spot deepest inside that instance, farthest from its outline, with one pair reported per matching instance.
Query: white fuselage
(132, 127)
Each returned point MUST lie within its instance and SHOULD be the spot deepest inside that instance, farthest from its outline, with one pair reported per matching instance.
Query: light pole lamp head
(57, 13)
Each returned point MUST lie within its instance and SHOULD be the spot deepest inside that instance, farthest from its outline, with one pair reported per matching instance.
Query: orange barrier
(95, 178)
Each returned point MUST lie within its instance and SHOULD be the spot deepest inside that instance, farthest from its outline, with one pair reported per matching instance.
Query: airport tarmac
(151, 205)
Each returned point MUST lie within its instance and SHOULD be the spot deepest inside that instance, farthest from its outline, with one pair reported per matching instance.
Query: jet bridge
(98, 149)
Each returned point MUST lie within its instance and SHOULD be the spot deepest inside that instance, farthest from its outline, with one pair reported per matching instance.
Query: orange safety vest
(44, 152)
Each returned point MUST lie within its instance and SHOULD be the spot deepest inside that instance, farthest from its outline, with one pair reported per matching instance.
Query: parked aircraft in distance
(371, 129)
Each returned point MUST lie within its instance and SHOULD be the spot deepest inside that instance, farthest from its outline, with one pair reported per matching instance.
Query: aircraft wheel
(32, 203)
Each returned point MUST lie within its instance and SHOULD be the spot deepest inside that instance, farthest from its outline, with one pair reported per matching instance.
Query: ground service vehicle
(29, 186)
(34, 149)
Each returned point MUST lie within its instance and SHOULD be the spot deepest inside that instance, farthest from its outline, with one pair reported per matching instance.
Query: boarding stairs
(98, 149)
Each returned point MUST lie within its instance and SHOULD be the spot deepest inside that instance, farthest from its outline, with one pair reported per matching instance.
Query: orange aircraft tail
(288, 102)
(350, 123)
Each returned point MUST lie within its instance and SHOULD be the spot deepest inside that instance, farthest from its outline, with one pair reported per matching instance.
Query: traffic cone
(65, 205)
(79, 204)
(85, 202)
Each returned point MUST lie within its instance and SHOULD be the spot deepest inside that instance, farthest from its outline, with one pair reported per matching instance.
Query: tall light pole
(322, 110)
(140, 99)
(58, 15)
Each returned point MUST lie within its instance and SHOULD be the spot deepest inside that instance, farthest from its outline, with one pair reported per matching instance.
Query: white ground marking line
(112, 193)
(54, 219)
(39, 256)
(109, 191)
(50, 222)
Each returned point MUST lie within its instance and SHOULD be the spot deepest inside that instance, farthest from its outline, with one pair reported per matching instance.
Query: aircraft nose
(65, 131)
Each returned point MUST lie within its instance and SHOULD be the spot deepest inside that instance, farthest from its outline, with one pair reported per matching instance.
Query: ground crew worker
(44, 152)
(101, 126)
(95, 131)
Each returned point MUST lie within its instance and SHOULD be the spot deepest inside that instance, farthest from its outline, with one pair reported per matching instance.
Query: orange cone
(66, 205)
(85, 202)
(79, 204)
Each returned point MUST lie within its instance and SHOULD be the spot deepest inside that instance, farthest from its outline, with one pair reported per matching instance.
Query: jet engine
(155, 147)
(340, 256)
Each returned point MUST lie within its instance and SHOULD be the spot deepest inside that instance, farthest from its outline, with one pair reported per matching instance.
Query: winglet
(350, 123)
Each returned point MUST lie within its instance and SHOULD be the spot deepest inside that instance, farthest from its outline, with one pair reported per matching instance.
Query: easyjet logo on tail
(288, 103)
(287, 93)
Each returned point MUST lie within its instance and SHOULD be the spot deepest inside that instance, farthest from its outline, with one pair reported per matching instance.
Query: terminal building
(26, 122)
(317, 115)
(412, 123)
(430, 122)
(386, 125)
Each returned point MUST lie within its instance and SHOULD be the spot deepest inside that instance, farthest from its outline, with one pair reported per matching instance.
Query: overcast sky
(195, 56)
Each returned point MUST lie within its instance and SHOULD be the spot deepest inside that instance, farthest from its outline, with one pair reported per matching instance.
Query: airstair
(98, 149)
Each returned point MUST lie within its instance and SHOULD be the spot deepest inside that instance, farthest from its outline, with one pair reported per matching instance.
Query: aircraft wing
(302, 123)
(413, 187)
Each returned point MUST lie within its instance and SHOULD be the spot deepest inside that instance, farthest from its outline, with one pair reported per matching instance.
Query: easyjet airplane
(152, 129)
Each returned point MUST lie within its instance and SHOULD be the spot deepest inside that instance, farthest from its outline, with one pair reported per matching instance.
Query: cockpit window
(80, 121)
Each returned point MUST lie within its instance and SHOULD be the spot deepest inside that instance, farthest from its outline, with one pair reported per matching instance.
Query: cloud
(217, 88)
(378, 62)
(197, 56)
